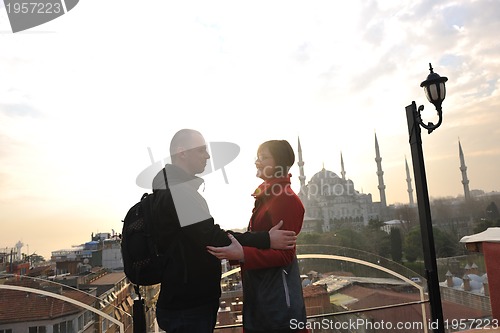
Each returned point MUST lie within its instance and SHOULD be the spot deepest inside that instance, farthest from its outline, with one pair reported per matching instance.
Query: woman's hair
(281, 152)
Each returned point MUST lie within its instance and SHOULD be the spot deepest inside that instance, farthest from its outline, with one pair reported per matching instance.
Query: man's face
(196, 155)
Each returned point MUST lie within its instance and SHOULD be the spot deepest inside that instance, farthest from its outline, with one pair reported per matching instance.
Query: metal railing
(369, 260)
(305, 253)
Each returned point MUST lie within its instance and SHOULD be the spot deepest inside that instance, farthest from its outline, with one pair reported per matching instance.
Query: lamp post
(435, 91)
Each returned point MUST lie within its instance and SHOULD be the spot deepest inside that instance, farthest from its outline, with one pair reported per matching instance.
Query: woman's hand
(230, 252)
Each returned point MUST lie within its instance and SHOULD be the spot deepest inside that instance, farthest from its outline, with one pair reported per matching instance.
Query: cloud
(19, 110)
(386, 65)
(485, 152)
(371, 22)
(9, 146)
(302, 53)
(331, 71)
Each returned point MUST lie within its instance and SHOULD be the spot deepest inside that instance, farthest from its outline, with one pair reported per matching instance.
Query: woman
(272, 290)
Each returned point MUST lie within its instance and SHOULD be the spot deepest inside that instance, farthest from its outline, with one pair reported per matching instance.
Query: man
(190, 288)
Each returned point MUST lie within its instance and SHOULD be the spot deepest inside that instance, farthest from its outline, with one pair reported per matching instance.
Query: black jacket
(192, 275)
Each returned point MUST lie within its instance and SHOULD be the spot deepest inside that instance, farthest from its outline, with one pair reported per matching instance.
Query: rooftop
(21, 306)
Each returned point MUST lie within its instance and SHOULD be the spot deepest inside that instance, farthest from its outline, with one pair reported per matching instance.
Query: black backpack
(142, 261)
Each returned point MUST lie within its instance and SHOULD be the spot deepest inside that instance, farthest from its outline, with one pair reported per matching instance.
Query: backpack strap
(137, 290)
(180, 245)
(165, 177)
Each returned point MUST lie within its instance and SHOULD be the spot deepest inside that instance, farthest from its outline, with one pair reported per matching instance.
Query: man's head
(188, 151)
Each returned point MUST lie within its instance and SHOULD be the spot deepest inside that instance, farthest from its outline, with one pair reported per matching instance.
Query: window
(80, 323)
(87, 317)
(36, 329)
(8, 330)
(63, 327)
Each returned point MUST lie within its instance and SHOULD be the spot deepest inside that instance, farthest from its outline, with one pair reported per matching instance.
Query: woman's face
(265, 164)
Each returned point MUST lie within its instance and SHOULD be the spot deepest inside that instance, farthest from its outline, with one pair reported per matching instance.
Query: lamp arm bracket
(430, 126)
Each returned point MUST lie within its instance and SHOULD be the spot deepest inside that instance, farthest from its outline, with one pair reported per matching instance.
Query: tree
(348, 238)
(375, 224)
(492, 212)
(308, 238)
(35, 258)
(396, 245)
(408, 216)
(444, 244)
(377, 240)
(413, 245)
(483, 224)
(491, 218)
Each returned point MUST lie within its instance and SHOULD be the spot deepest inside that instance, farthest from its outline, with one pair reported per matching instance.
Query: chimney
(488, 242)
(491, 254)
(474, 269)
(466, 280)
(449, 279)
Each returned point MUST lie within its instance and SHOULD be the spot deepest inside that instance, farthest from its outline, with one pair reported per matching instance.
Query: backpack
(142, 262)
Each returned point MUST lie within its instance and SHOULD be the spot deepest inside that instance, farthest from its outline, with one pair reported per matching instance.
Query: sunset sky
(84, 96)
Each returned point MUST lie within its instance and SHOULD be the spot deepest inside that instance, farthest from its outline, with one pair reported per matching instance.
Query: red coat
(274, 201)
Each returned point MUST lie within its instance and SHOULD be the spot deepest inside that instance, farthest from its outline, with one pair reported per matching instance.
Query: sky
(83, 98)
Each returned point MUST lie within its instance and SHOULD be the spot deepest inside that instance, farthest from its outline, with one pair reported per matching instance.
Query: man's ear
(180, 152)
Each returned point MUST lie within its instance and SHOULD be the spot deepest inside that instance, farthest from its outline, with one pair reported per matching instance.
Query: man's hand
(230, 252)
(282, 239)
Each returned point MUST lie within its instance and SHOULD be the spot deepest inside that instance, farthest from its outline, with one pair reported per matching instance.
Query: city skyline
(25, 247)
(83, 101)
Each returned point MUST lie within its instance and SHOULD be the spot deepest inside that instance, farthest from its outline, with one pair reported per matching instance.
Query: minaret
(380, 174)
(408, 180)
(463, 168)
(342, 166)
(302, 177)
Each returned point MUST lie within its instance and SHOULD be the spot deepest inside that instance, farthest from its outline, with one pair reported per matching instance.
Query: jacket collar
(266, 188)
(175, 176)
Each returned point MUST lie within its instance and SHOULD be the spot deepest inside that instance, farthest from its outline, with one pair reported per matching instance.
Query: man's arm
(273, 239)
(198, 224)
(207, 233)
(255, 258)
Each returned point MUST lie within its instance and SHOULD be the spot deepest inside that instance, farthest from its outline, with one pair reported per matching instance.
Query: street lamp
(435, 91)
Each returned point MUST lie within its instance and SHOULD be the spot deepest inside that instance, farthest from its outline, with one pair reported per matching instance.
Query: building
(332, 202)
(114, 293)
(316, 299)
(103, 250)
(336, 203)
(36, 310)
(22, 311)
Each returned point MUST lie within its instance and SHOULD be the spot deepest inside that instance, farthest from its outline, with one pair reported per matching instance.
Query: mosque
(332, 202)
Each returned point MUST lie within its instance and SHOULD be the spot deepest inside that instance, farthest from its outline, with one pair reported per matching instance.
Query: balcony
(345, 290)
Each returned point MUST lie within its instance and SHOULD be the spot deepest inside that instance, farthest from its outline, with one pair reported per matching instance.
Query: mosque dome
(325, 175)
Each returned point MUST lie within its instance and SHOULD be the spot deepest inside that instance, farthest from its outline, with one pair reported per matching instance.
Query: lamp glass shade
(434, 87)
(435, 92)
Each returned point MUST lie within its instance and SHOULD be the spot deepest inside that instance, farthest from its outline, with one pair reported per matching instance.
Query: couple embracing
(190, 288)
